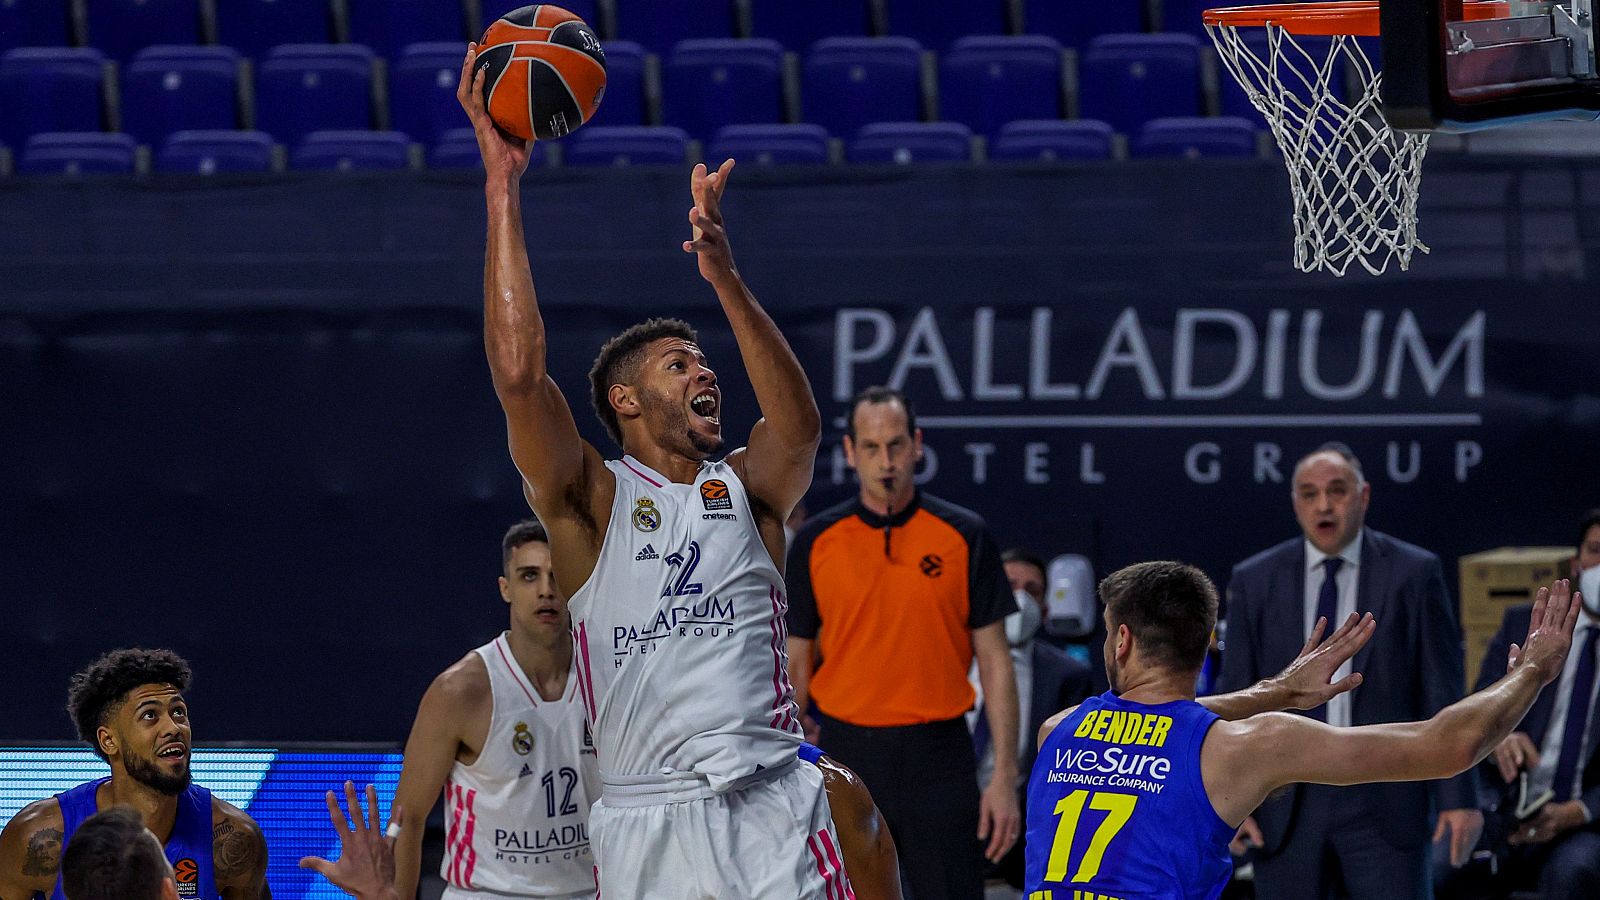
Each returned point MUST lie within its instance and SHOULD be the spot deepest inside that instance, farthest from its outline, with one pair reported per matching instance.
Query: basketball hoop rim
(1358, 18)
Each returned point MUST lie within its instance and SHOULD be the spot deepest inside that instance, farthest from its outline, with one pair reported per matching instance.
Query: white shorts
(451, 892)
(771, 840)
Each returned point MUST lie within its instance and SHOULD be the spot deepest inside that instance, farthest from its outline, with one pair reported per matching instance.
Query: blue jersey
(188, 847)
(1117, 809)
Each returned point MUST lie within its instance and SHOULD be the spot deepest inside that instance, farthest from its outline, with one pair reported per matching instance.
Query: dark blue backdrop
(251, 420)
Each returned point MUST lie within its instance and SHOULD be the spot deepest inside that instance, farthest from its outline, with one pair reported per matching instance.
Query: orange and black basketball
(544, 72)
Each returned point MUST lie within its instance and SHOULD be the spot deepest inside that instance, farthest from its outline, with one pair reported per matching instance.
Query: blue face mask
(1023, 624)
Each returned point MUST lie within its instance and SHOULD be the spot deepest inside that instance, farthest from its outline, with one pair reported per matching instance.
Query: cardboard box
(1495, 580)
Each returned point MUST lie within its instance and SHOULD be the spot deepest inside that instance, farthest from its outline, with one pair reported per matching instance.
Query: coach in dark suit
(1368, 841)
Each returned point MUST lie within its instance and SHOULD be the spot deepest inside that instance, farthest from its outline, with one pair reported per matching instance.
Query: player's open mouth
(547, 614)
(705, 406)
(172, 751)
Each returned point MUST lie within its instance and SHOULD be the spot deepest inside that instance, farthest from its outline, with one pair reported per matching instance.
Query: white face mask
(1589, 584)
(1024, 623)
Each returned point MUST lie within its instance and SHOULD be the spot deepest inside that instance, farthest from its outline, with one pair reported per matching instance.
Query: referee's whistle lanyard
(888, 528)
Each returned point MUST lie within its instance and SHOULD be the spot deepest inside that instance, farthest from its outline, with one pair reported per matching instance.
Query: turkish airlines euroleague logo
(714, 494)
(187, 874)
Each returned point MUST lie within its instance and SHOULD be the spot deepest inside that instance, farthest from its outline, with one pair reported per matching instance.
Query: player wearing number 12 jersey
(672, 561)
(1135, 793)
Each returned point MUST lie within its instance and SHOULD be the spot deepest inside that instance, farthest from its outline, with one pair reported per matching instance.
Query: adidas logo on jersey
(526, 771)
(649, 552)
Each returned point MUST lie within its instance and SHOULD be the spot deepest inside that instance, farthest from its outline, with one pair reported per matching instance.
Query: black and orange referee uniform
(892, 603)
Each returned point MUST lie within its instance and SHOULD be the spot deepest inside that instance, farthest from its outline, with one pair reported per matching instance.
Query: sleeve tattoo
(43, 857)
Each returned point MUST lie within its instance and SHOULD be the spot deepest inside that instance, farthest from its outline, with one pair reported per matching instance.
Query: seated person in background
(112, 856)
(1048, 681)
(1556, 847)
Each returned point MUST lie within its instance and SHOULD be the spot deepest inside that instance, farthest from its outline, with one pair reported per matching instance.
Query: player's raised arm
(1307, 682)
(1239, 776)
(544, 439)
(777, 464)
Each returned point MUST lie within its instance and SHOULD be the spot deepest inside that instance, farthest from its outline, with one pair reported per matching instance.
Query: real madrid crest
(522, 739)
(645, 515)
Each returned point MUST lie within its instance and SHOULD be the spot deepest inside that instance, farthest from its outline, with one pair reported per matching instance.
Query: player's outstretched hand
(365, 869)
(710, 241)
(505, 158)
(1555, 615)
(1309, 679)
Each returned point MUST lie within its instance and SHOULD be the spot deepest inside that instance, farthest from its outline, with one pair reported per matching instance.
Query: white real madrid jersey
(681, 635)
(517, 819)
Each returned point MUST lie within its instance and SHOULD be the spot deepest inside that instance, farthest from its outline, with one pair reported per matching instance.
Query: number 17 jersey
(1117, 808)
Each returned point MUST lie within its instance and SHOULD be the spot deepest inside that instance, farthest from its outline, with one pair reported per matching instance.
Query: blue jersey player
(129, 707)
(1136, 793)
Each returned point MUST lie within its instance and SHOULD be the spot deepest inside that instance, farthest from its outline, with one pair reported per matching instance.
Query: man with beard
(672, 561)
(129, 707)
(1137, 792)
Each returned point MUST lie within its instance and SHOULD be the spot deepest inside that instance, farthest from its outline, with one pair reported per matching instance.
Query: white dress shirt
(1346, 580)
(1543, 775)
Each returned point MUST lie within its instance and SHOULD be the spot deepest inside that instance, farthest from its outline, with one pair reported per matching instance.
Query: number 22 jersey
(1117, 809)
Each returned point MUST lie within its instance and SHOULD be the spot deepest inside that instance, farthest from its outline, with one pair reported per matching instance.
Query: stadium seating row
(844, 84)
(211, 152)
(120, 28)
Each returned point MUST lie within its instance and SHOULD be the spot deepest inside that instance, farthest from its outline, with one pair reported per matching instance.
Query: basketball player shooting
(671, 561)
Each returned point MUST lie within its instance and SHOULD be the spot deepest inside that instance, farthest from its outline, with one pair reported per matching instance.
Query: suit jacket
(1514, 628)
(1412, 668)
(1059, 682)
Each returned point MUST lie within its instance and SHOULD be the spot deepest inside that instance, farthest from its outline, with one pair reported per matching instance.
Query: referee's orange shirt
(892, 604)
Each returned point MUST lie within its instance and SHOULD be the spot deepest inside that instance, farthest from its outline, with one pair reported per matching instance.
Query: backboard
(1444, 73)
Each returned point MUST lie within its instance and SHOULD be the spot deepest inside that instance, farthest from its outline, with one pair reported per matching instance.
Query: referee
(890, 596)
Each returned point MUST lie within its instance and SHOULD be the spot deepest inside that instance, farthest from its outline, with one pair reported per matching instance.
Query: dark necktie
(980, 733)
(1577, 718)
(1328, 608)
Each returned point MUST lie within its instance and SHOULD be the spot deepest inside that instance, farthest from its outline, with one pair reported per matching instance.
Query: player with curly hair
(129, 707)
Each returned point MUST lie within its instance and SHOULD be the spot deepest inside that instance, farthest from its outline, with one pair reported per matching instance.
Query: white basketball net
(1354, 180)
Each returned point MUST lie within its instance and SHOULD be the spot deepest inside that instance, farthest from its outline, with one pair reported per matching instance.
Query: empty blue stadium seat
(711, 83)
(766, 145)
(985, 82)
(938, 25)
(625, 145)
(50, 89)
(1075, 22)
(798, 26)
(167, 89)
(1191, 137)
(33, 23)
(347, 151)
(849, 82)
(458, 149)
(623, 103)
(908, 142)
(1129, 79)
(587, 10)
(388, 25)
(121, 28)
(209, 152)
(74, 153)
(658, 25)
(254, 26)
(301, 88)
(422, 90)
(1053, 139)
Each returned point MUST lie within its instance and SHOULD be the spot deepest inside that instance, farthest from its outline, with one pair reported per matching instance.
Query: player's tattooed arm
(30, 851)
(239, 857)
